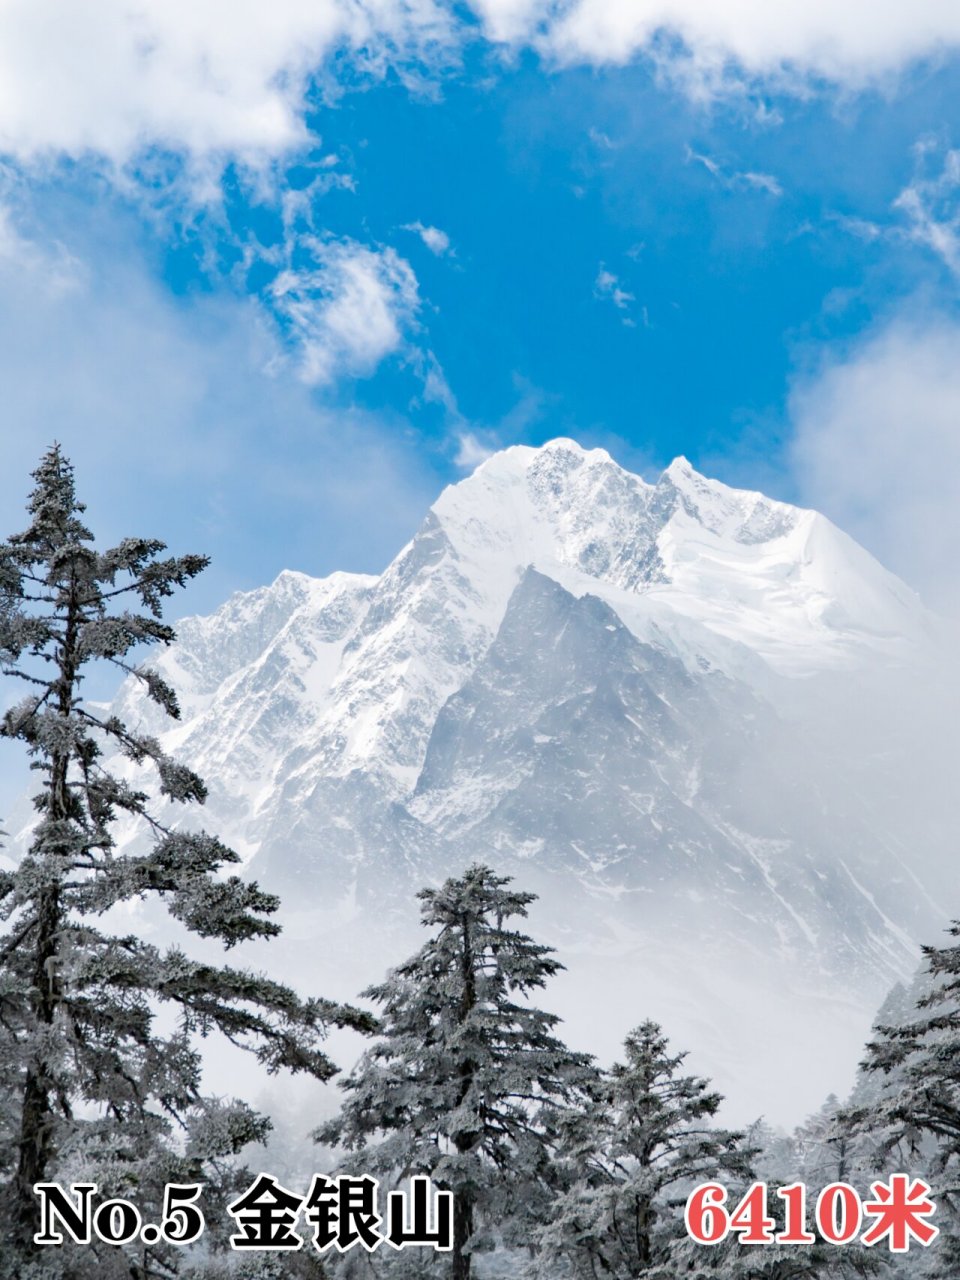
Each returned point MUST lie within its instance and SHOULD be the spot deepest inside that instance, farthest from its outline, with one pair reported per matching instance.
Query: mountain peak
(562, 452)
(680, 469)
(688, 552)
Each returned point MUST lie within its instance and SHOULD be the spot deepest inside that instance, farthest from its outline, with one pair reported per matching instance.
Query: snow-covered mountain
(634, 697)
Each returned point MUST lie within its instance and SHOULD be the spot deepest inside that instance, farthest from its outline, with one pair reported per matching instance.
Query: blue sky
(274, 283)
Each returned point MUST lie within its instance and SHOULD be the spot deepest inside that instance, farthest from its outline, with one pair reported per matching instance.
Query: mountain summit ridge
(666, 557)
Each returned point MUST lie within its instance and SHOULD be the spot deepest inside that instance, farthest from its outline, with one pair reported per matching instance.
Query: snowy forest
(556, 1165)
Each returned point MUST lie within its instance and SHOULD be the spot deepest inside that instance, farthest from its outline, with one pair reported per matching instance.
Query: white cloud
(183, 424)
(474, 442)
(471, 450)
(111, 78)
(926, 213)
(607, 286)
(437, 241)
(877, 447)
(108, 78)
(931, 205)
(851, 43)
(708, 162)
(759, 182)
(601, 140)
(53, 269)
(347, 309)
(862, 228)
(436, 388)
(751, 180)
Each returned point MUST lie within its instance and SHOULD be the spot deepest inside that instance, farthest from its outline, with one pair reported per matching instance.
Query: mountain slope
(608, 765)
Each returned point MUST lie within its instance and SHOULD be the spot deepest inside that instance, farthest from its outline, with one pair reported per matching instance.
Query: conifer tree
(819, 1152)
(632, 1156)
(84, 1068)
(465, 1073)
(922, 1056)
(914, 1116)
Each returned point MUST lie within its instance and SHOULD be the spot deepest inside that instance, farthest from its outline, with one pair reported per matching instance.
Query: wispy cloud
(744, 180)
(607, 287)
(931, 204)
(473, 442)
(50, 266)
(436, 388)
(346, 308)
(708, 162)
(601, 140)
(760, 182)
(863, 228)
(926, 213)
(437, 241)
(472, 450)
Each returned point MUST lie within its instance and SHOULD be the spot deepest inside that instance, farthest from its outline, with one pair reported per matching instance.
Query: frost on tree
(631, 1156)
(466, 1075)
(912, 1111)
(88, 1084)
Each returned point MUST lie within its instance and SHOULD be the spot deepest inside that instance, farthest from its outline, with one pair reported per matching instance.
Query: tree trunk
(36, 1121)
(36, 1143)
(464, 1142)
(462, 1231)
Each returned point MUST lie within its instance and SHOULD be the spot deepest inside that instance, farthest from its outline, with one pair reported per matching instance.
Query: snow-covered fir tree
(908, 1101)
(819, 1152)
(465, 1074)
(632, 1155)
(88, 1083)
